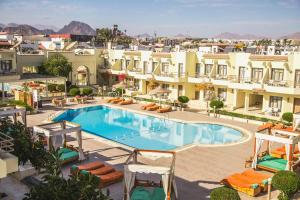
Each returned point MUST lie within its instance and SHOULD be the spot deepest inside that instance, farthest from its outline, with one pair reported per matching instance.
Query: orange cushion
(116, 175)
(102, 170)
(90, 166)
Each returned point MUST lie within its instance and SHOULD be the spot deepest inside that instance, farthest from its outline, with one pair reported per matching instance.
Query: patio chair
(126, 102)
(117, 101)
(165, 109)
(112, 99)
(153, 108)
(144, 107)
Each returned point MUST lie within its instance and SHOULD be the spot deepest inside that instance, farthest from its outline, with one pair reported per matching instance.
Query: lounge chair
(112, 99)
(67, 155)
(152, 108)
(272, 164)
(126, 102)
(117, 101)
(144, 107)
(249, 182)
(107, 174)
(281, 153)
(164, 110)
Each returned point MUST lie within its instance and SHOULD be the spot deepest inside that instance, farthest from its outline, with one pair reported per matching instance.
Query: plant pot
(182, 109)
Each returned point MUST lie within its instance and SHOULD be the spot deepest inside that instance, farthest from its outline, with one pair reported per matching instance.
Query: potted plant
(216, 105)
(287, 118)
(183, 101)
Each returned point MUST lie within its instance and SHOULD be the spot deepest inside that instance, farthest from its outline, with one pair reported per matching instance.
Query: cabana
(56, 138)
(134, 188)
(274, 135)
(12, 111)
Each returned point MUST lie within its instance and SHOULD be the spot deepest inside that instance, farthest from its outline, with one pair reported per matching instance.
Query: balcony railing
(6, 143)
(8, 72)
(172, 74)
(282, 83)
(198, 75)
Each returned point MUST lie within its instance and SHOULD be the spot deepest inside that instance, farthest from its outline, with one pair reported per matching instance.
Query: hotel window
(242, 73)
(208, 68)
(154, 65)
(165, 67)
(127, 63)
(257, 74)
(165, 86)
(277, 74)
(180, 90)
(181, 71)
(276, 102)
(135, 63)
(197, 95)
(5, 65)
(297, 78)
(147, 69)
(222, 70)
(198, 69)
(122, 64)
(222, 93)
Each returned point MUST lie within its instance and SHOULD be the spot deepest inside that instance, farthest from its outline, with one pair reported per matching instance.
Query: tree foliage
(57, 65)
(224, 193)
(287, 182)
(105, 35)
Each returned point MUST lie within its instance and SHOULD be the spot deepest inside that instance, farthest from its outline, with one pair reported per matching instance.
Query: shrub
(20, 103)
(224, 193)
(52, 87)
(74, 92)
(288, 117)
(218, 104)
(183, 99)
(86, 91)
(60, 87)
(120, 91)
(71, 86)
(287, 182)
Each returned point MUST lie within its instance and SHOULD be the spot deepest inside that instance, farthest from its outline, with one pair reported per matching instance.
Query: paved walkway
(198, 169)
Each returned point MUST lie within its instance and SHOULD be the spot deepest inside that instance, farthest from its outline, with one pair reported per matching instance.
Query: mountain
(22, 29)
(292, 36)
(144, 35)
(79, 28)
(45, 27)
(2, 25)
(180, 35)
(230, 36)
(11, 25)
(48, 31)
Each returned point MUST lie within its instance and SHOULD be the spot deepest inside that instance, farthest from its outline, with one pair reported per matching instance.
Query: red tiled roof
(3, 33)
(64, 36)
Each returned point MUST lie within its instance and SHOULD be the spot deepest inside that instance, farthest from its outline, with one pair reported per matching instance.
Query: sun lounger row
(154, 106)
(107, 174)
(120, 101)
(249, 182)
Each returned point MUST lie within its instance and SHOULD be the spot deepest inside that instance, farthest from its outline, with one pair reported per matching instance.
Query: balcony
(244, 83)
(282, 86)
(170, 77)
(222, 80)
(198, 78)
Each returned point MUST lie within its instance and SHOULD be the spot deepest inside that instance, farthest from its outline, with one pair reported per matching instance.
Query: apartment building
(249, 83)
(8, 65)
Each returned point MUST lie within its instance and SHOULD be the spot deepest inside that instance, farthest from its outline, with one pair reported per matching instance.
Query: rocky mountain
(45, 27)
(2, 25)
(23, 29)
(79, 28)
(144, 35)
(230, 36)
(11, 25)
(181, 36)
(292, 36)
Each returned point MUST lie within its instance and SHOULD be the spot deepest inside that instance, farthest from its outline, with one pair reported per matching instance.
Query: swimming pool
(147, 132)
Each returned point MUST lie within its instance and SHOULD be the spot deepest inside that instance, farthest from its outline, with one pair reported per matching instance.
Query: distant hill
(23, 29)
(235, 36)
(144, 35)
(45, 27)
(295, 36)
(79, 28)
(11, 25)
(180, 35)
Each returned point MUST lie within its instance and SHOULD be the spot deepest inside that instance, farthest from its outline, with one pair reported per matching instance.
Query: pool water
(147, 132)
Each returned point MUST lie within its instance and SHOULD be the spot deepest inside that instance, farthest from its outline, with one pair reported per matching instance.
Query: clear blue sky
(200, 18)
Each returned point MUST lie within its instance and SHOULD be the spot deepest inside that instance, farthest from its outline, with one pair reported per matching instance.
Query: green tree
(104, 35)
(57, 65)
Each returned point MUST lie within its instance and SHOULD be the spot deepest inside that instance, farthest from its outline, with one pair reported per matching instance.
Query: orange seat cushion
(111, 177)
(102, 170)
(90, 166)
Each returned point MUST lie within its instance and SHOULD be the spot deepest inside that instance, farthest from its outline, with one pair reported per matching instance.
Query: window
(147, 69)
(277, 74)
(276, 102)
(127, 63)
(5, 65)
(181, 71)
(180, 90)
(297, 78)
(197, 95)
(135, 63)
(242, 73)
(208, 68)
(165, 86)
(154, 64)
(222, 70)
(257, 74)
(164, 67)
(222, 93)
(122, 64)
(198, 69)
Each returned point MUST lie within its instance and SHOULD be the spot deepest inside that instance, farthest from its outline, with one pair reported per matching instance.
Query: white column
(247, 96)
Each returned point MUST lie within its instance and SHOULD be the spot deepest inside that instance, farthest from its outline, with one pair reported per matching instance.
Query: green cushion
(273, 163)
(139, 193)
(69, 155)
(158, 194)
(64, 150)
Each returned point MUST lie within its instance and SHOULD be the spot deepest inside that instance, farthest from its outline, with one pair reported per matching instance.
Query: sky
(197, 18)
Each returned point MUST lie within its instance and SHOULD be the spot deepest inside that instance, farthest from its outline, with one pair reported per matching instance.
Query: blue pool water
(147, 132)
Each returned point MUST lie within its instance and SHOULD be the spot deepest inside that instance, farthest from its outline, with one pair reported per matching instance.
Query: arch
(82, 75)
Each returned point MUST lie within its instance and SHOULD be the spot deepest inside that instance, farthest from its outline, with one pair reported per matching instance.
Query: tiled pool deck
(198, 169)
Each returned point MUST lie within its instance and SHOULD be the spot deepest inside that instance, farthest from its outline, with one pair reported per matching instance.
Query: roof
(64, 36)
(216, 56)
(268, 58)
(3, 33)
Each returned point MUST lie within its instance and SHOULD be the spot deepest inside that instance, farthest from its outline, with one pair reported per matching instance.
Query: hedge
(224, 193)
(287, 182)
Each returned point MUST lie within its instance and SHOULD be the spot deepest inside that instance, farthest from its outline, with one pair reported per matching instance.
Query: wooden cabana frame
(269, 135)
(12, 111)
(133, 167)
(61, 128)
